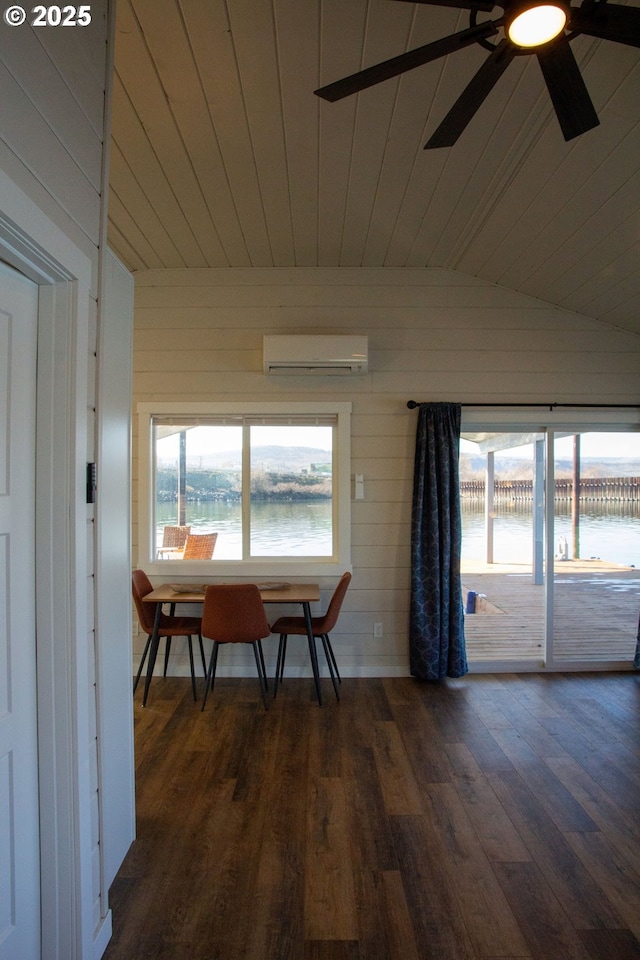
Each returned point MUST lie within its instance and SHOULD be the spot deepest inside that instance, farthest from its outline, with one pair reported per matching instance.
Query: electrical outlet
(377, 630)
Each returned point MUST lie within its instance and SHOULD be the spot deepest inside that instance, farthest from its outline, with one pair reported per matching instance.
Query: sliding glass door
(596, 556)
(502, 547)
(551, 544)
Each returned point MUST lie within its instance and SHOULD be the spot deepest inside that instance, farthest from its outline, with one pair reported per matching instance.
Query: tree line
(202, 484)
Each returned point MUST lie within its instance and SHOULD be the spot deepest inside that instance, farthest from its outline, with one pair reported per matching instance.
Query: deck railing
(591, 488)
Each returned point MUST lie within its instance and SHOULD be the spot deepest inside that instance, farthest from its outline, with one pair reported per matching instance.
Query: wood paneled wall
(53, 84)
(433, 335)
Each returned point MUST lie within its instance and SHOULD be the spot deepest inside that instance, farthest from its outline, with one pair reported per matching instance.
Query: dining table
(302, 594)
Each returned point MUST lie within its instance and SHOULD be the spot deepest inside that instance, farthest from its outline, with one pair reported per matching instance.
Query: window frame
(271, 567)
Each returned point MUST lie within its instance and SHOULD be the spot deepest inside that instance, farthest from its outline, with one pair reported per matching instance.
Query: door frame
(529, 420)
(34, 245)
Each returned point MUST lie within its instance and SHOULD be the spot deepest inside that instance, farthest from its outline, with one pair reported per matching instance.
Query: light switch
(359, 486)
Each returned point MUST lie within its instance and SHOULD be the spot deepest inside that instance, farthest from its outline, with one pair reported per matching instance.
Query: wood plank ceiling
(222, 155)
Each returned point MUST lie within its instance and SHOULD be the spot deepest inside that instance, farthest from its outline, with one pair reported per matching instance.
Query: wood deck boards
(596, 607)
(491, 816)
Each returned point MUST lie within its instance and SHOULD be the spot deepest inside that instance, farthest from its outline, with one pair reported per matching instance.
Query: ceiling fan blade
(485, 5)
(405, 61)
(472, 97)
(569, 95)
(608, 21)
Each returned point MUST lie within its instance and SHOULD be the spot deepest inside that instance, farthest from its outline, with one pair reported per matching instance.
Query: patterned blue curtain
(436, 632)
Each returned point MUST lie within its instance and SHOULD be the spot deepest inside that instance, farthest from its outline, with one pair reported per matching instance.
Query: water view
(291, 488)
(294, 529)
(305, 530)
(603, 466)
(607, 534)
(285, 471)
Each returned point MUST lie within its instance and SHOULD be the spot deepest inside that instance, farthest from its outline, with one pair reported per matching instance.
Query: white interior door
(19, 818)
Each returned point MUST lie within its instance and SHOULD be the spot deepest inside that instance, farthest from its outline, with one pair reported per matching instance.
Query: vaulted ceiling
(223, 157)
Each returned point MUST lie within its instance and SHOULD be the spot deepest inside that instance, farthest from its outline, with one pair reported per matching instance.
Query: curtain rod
(412, 404)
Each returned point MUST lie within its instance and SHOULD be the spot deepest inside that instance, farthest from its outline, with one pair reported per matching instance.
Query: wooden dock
(596, 607)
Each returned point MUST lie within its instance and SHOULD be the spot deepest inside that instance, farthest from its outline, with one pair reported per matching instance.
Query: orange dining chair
(234, 613)
(169, 627)
(199, 546)
(321, 627)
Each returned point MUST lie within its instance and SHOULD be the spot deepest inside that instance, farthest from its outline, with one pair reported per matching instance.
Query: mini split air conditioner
(315, 355)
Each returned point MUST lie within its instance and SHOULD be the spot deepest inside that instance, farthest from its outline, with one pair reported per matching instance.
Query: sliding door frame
(549, 423)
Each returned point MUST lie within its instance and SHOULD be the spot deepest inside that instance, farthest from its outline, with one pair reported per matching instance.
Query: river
(610, 533)
(277, 529)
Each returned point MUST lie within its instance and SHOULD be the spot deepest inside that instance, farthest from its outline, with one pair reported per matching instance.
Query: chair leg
(211, 673)
(257, 650)
(167, 650)
(262, 664)
(144, 657)
(204, 664)
(193, 673)
(324, 639)
(333, 659)
(282, 652)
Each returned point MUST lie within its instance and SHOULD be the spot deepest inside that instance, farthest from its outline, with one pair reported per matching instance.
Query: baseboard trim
(102, 936)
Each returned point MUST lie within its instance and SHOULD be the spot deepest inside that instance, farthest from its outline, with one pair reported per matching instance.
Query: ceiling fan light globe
(536, 24)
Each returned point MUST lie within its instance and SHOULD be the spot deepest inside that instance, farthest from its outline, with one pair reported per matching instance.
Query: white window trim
(294, 567)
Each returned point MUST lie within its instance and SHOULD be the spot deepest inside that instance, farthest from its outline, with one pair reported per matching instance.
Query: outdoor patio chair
(173, 540)
(199, 546)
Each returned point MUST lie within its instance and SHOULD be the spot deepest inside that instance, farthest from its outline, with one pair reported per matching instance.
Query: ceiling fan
(541, 27)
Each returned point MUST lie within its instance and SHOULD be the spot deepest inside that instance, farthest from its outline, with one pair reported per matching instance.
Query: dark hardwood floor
(488, 817)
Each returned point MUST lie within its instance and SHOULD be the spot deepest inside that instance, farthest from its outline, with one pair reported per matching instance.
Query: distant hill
(272, 458)
(472, 467)
(268, 458)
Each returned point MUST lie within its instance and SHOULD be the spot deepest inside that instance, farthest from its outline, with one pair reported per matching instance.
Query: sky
(200, 439)
(603, 444)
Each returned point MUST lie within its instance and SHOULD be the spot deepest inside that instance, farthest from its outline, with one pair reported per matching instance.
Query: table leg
(153, 653)
(313, 653)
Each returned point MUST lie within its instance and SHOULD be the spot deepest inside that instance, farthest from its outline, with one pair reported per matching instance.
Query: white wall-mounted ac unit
(315, 355)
